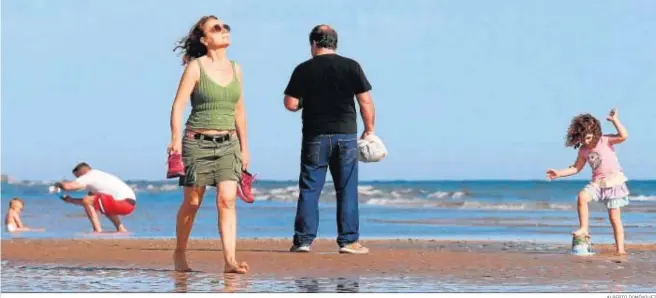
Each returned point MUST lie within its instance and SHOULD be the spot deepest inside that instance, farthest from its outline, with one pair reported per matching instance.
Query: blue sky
(463, 89)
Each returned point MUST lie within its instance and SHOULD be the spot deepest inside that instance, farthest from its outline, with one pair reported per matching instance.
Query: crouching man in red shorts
(107, 194)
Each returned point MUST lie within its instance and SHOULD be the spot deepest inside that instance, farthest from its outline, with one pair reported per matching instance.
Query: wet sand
(475, 261)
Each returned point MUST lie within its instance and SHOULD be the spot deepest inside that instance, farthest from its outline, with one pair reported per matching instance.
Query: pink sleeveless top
(603, 161)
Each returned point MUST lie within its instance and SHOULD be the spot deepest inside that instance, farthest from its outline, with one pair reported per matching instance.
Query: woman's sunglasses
(218, 28)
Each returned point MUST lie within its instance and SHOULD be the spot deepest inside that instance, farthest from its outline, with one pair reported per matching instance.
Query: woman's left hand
(245, 160)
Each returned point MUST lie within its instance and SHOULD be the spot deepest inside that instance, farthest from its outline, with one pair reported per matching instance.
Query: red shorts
(107, 205)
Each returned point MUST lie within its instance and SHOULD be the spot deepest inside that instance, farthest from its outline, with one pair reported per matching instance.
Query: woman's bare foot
(180, 261)
(241, 268)
(620, 253)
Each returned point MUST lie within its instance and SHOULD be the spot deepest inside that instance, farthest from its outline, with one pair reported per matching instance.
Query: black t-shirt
(326, 86)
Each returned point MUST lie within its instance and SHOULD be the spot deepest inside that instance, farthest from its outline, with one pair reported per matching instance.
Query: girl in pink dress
(608, 184)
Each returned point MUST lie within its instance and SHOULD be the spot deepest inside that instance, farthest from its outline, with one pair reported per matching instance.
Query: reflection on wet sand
(185, 282)
(181, 282)
(18, 277)
(235, 283)
(313, 285)
(231, 282)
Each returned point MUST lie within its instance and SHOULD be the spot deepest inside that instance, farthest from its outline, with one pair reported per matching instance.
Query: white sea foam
(404, 196)
(642, 198)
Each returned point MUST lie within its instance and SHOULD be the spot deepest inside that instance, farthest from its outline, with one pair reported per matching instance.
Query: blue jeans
(339, 152)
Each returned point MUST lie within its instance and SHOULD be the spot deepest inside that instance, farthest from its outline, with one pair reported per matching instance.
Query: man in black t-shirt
(324, 87)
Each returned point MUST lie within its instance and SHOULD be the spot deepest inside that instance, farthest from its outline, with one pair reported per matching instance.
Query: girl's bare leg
(618, 229)
(582, 209)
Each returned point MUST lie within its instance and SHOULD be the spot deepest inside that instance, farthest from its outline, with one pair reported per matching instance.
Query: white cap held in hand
(54, 189)
(371, 149)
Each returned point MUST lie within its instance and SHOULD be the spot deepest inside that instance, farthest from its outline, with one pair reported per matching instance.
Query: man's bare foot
(121, 230)
(180, 261)
(580, 233)
(241, 268)
(620, 253)
(109, 233)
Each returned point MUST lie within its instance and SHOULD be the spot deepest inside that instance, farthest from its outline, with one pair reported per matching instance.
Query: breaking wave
(495, 197)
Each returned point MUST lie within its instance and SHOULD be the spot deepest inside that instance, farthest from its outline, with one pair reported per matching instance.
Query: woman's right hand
(174, 147)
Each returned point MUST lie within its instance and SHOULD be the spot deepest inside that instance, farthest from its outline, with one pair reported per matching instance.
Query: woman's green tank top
(213, 105)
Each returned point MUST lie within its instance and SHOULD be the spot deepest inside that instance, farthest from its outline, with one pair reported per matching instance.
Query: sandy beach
(477, 262)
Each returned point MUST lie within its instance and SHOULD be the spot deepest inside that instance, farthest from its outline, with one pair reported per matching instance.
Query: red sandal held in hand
(175, 166)
(245, 189)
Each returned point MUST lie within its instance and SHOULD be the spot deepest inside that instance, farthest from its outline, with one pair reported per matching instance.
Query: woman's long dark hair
(190, 45)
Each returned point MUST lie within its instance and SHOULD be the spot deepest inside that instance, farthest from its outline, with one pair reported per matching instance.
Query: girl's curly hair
(580, 126)
(190, 45)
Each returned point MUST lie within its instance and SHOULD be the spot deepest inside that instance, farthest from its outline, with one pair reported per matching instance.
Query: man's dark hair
(325, 37)
(80, 166)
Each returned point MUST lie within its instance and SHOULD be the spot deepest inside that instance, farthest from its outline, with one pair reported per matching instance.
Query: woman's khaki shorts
(207, 162)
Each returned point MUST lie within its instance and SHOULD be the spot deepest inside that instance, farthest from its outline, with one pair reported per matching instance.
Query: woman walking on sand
(214, 146)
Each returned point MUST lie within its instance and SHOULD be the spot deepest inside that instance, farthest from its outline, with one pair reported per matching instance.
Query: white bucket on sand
(582, 246)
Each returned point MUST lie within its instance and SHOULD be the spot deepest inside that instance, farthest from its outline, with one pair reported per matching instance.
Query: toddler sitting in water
(608, 183)
(13, 221)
